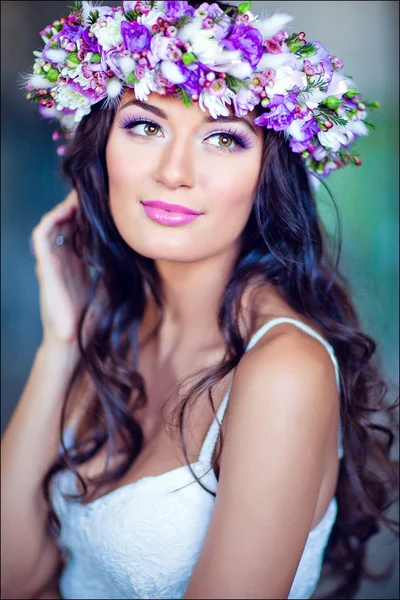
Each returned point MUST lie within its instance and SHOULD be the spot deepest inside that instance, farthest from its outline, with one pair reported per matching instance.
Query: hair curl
(284, 244)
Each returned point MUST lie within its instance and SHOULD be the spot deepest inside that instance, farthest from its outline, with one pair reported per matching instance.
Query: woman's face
(161, 153)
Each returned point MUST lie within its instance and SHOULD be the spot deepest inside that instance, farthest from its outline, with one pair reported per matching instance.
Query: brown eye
(151, 129)
(225, 140)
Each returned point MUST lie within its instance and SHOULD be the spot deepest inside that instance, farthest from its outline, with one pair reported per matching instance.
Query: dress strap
(210, 440)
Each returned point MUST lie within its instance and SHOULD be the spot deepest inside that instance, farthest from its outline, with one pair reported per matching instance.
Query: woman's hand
(62, 276)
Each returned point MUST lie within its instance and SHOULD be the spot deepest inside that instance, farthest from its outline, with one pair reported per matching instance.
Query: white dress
(142, 540)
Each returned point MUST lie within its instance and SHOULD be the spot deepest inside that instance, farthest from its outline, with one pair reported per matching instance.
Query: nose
(175, 167)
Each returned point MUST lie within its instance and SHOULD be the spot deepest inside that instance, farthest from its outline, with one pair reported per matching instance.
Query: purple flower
(303, 137)
(135, 37)
(321, 61)
(280, 113)
(244, 101)
(195, 78)
(163, 48)
(177, 10)
(247, 39)
(221, 22)
(91, 42)
(72, 32)
(92, 95)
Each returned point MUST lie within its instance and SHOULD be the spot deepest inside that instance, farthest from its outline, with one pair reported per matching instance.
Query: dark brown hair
(283, 244)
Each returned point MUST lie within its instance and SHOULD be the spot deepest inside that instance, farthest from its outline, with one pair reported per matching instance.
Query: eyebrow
(207, 118)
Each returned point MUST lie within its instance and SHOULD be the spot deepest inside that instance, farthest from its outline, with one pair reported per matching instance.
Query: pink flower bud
(208, 23)
(154, 27)
(56, 136)
(61, 150)
(160, 21)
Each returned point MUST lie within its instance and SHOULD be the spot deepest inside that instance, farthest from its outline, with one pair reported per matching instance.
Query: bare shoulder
(290, 363)
(282, 412)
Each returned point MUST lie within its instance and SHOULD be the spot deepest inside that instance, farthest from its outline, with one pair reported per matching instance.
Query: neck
(192, 294)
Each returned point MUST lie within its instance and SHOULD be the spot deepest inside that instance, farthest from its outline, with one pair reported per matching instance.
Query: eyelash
(241, 139)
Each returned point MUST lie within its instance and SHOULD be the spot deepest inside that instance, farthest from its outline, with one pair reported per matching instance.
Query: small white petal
(270, 26)
(127, 64)
(114, 87)
(172, 72)
(38, 81)
(274, 61)
(56, 55)
(241, 70)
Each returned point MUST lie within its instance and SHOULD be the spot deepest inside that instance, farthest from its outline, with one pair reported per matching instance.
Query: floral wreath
(205, 55)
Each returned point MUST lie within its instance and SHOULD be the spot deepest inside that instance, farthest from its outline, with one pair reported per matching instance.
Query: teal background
(365, 36)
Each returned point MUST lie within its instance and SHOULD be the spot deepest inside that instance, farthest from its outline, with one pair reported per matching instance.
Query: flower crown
(210, 56)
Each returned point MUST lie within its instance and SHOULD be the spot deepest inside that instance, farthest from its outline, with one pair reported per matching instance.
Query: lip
(169, 214)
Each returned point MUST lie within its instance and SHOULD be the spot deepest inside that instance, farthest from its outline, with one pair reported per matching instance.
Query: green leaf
(182, 21)
(369, 126)
(373, 104)
(52, 75)
(93, 16)
(188, 58)
(186, 100)
(295, 46)
(76, 7)
(131, 78)
(233, 83)
(307, 50)
(96, 58)
(72, 60)
(132, 15)
(244, 7)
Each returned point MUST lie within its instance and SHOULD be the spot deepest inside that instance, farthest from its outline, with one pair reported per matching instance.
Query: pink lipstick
(169, 214)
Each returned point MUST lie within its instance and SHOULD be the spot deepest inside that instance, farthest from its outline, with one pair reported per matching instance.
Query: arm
(282, 410)
(29, 558)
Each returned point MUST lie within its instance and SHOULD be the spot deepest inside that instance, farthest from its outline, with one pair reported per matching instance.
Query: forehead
(176, 111)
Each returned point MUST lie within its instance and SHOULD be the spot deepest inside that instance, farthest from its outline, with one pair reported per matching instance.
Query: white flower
(275, 61)
(68, 98)
(215, 106)
(209, 52)
(144, 87)
(270, 26)
(114, 87)
(241, 69)
(39, 82)
(127, 64)
(172, 72)
(56, 55)
(108, 31)
(151, 18)
(357, 127)
(188, 31)
(285, 79)
(336, 137)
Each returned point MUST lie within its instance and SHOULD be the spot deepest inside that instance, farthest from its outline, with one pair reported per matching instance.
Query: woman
(202, 385)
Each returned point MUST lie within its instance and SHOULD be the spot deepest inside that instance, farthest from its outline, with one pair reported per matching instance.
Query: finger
(44, 234)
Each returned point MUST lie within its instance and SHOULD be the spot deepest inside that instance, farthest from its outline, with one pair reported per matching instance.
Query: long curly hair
(284, 243)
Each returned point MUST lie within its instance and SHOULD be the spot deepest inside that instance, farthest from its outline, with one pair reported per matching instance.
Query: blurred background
(365, 36)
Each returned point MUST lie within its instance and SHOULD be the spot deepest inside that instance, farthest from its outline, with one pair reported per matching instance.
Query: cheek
(233, 187)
